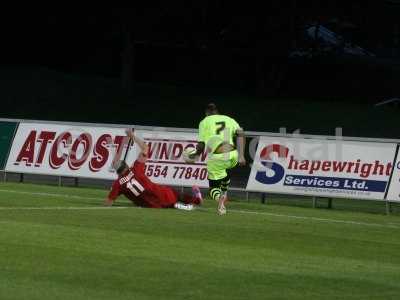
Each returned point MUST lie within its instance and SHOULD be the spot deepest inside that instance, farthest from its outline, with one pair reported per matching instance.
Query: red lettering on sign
(27, 152)
(55, 160)
(164, 152)
(119, 141)
(151, 149)
(44, 138)
(100, 153)
(85, 139)
(177, 151)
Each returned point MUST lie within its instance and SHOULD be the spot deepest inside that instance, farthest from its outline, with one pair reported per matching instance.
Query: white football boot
(221, 204)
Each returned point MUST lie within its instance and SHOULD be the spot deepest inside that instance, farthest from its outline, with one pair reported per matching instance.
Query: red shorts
(161, 197)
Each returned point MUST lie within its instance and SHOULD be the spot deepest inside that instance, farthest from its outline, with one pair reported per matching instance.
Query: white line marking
(49, 194)
(389, 225)
(64, 208)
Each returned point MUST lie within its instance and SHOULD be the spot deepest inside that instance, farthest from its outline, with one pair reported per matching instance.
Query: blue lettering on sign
(262, 176)
(266, 160)
(336, 183)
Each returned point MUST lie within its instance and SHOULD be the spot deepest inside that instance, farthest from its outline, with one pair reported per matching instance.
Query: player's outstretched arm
(241, 144)
(108, 202)
(142, 145)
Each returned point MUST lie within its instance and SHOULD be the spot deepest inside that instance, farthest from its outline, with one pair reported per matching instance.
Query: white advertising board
(328, 168)
(394, 189)
(84, 151)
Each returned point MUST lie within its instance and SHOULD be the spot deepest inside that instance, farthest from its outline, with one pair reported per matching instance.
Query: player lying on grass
(133, 183)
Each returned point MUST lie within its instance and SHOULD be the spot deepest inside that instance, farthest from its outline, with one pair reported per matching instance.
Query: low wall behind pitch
(319, 166)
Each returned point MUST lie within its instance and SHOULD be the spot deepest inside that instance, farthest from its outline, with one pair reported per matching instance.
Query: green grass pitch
(60, 243)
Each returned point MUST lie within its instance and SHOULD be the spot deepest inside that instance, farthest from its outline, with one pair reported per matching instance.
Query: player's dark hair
(211, 108)
(121, 166)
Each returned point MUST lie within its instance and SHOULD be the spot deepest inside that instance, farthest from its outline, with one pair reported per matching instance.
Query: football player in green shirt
(216, 134)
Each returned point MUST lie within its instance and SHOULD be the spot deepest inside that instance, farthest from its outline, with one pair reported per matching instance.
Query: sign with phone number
(176, 172)
(165, 164)
(84, 151)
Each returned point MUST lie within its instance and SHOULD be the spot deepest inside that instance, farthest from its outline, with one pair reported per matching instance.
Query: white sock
(180, 205)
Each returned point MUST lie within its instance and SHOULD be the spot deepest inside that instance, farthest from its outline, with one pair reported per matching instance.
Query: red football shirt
(137, 187)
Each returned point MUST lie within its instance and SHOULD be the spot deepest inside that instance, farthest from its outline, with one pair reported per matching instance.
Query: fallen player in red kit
(133, 183)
